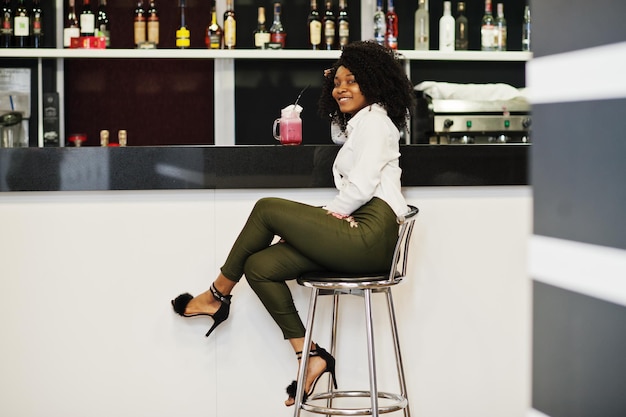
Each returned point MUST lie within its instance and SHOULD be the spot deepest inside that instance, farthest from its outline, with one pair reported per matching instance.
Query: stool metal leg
(333, 342)
(306, 349)
(396, 344)
(370, 351)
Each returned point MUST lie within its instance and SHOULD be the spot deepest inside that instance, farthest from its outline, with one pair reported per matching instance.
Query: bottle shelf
(51, 53)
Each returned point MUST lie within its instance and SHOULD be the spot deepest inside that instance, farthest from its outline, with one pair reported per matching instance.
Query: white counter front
(86, 280)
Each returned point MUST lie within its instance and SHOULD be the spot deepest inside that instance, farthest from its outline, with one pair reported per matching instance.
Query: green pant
(312, 240)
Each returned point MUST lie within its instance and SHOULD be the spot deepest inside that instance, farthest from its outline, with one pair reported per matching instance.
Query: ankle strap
(312, 352)
(219, 296)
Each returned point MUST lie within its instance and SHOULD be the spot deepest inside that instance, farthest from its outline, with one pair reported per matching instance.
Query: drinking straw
(300, 95)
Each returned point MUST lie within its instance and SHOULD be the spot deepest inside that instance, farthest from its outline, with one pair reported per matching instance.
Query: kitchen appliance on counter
(470, 114)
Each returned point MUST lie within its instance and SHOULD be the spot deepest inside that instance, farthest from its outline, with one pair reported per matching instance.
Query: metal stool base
(399, 403)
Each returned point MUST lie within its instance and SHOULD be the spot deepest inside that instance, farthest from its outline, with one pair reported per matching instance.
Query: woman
(369, 100)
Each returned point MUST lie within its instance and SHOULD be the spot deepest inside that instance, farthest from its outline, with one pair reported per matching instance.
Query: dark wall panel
(562, 26)
(579, 171)
(579, 365)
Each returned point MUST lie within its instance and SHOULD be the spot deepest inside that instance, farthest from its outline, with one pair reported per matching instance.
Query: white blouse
(367, 165)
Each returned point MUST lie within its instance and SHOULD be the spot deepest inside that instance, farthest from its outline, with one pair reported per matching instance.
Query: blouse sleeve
(373, 145)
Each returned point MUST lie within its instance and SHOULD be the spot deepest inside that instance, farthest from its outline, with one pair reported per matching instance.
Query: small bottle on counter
(104, 138)
(122, 137)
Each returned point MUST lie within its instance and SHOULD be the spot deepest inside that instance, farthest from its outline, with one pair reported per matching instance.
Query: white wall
(87, 330)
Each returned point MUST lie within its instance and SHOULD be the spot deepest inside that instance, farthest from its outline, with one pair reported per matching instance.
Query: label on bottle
(261, 39)
(278, 38)
(6, 25)
(215, 41)
(501, 38)
(182, 38)
(37, 24)
(329, 32)
(344, 29)
(87, 23)
(315, 32)
(230, 34)
(153, 31)
(488, 37)
(140, 31)
(21, 26)
(68, 34)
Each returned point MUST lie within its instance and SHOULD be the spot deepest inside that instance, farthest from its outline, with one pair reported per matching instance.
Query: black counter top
(217, 167)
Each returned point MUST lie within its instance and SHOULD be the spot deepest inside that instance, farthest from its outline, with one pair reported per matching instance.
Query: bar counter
(242, 167)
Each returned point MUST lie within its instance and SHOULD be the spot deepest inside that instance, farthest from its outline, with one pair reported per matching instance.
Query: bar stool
(336, 284)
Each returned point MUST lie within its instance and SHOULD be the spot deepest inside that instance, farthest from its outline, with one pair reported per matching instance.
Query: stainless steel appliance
(464, 121)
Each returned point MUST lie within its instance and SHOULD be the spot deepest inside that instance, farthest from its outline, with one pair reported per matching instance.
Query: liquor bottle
(71, 29)
(153, 24)
(460, 29)
(344, 24)
(213, 36)
(6, 31)
(261, 35)
(487, 29)
(526, 30)
(422, 26)
(182, 33)
(139, 24)
(446, 28)
(36, 25)
(277, 31)
(21, 26)
(87, 19)
(102, 22)
(391, 32)
(230, 26)
(379, 23)
(329, 23)
(500, 29)
(315, 26)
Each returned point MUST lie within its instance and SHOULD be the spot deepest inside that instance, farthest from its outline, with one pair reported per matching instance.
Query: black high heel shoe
(330, 367)
(180, 304)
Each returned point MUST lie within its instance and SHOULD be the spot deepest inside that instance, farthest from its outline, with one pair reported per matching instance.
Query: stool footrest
(398, 402)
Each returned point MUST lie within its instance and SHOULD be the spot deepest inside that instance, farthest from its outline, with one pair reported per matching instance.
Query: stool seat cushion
(338, 277)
